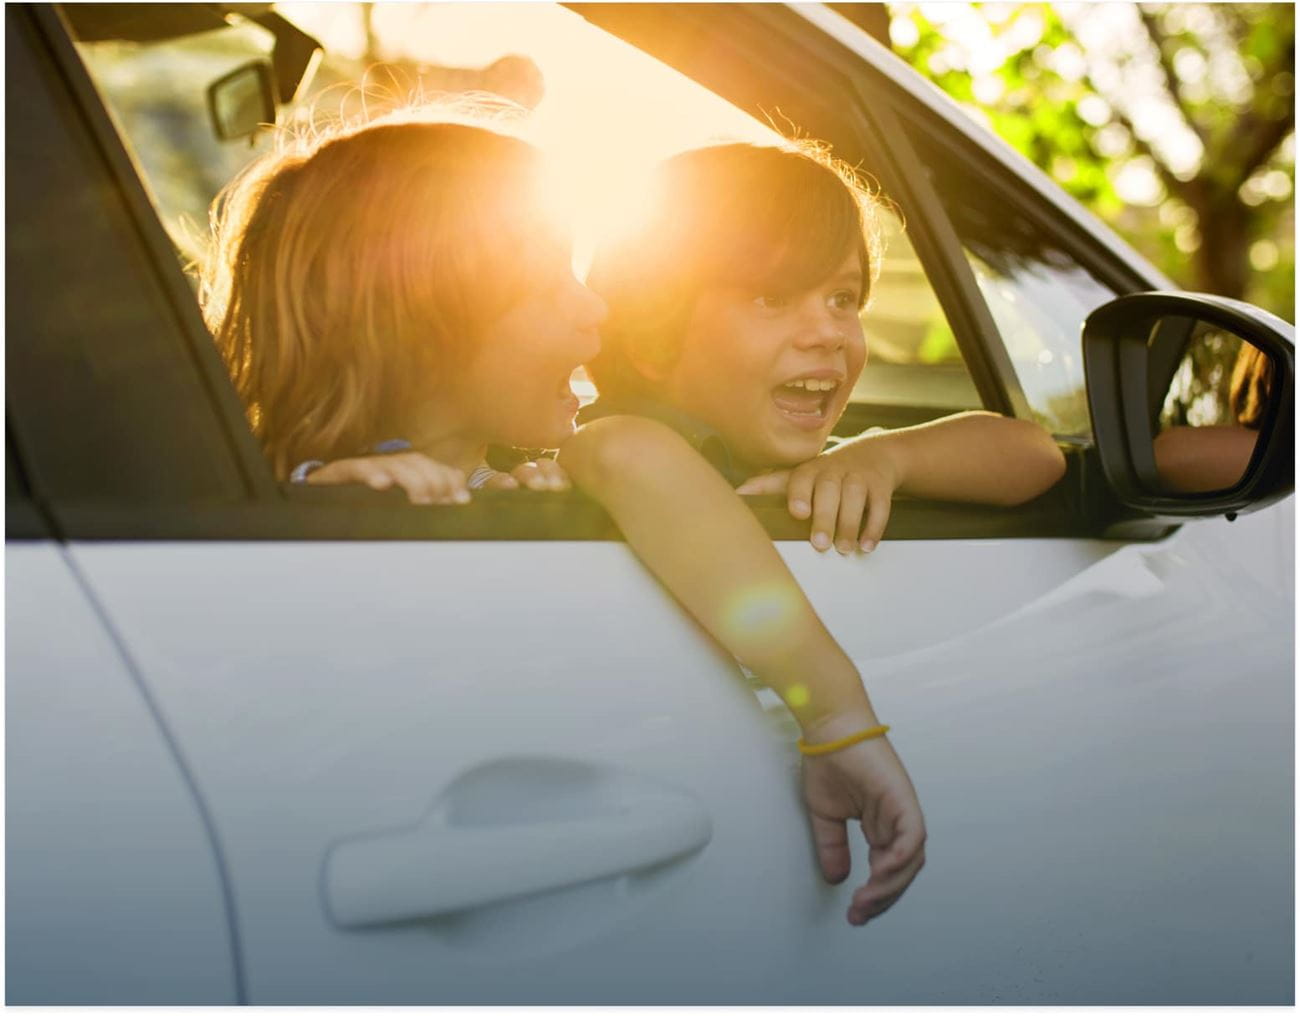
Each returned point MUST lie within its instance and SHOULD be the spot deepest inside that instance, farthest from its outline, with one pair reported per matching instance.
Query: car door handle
(442, 866)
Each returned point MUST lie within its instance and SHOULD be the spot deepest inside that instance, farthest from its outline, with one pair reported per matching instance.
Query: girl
(372, 286)
(401, 281)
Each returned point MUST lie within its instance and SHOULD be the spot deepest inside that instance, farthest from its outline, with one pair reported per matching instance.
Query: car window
(156, 93)
(1037, 291)
(913, 355)
(580, 83)
(89, 317)
(579, 80)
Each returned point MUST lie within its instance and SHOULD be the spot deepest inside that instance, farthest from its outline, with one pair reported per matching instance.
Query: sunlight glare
(759, 617)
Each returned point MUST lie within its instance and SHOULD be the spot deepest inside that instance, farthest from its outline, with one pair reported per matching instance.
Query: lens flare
(759, 618)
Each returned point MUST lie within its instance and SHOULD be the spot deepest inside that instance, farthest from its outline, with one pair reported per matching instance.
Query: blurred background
(1175, 123)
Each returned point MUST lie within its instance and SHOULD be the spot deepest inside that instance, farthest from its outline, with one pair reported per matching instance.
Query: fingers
(895, 862)
(839, 503)
(501, 481)
(424, 480)
(877, 519)
(766, 483)
(854, 493)
(799, 492)
(825, 510)
(831, 841)
(879, 894)
(544, 474)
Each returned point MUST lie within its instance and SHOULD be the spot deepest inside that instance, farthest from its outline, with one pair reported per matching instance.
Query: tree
(1175, 123)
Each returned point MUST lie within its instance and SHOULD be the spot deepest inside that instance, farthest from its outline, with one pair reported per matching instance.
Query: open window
(606, 110)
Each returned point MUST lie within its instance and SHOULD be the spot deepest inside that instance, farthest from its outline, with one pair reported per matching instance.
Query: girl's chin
(551, 437)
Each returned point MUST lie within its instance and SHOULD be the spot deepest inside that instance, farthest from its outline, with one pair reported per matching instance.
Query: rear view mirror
(1192, 400)
(242, 101)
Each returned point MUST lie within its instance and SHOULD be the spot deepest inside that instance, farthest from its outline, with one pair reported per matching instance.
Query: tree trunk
(1221, 264)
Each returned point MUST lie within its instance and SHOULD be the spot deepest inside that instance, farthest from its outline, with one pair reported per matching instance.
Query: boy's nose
(821, 330)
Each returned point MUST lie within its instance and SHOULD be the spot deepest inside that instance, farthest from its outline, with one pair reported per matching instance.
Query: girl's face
(772, 372)
(515, 389)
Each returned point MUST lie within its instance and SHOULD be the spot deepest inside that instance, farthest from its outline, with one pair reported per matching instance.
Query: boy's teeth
(812, 384)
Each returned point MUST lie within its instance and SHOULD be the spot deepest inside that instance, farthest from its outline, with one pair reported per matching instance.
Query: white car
(302, 745)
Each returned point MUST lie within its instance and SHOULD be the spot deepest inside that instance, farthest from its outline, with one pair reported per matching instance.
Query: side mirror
(1193, 403)
(242, 101)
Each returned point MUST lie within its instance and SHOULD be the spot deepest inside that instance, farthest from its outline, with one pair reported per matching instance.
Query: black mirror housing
(1127, 343)
(243, 101)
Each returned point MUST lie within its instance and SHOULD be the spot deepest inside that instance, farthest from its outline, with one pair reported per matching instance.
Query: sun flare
(603, 112)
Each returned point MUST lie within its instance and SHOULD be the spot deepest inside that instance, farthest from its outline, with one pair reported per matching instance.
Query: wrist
(839, 725)
(895, 456)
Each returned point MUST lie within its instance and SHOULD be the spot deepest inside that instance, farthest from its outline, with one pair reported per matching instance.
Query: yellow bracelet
(862, 735)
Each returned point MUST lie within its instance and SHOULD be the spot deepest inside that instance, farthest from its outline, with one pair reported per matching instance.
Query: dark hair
(779, 219)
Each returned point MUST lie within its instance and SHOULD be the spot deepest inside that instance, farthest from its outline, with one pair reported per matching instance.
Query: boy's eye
(844, 299)
(769, 301)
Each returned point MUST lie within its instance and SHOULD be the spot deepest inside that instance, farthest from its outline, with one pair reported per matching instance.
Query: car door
(1069, 694)
(444, 755)
(477, 755)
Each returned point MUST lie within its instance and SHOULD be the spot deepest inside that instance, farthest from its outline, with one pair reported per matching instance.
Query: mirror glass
(1211, 394)
(242, 101)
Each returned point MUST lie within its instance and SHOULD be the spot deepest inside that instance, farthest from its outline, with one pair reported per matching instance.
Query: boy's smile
(771, 373)
(806, 400)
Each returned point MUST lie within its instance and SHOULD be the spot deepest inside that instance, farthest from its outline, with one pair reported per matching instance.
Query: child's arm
(977, 456)
(688, 526)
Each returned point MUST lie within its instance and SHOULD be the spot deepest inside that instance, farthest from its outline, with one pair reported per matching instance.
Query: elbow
(613, 448)
(1040, 464)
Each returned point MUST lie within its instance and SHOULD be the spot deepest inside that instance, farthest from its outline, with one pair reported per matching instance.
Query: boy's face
(771, 373)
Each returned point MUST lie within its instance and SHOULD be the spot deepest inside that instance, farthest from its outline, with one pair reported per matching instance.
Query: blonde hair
(775, 217)
(1251, 387)
(352, 269)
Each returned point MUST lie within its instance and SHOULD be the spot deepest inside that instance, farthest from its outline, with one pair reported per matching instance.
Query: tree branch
(1258, 136)
(1157, 37)
(1175, 186)
(1263, 139)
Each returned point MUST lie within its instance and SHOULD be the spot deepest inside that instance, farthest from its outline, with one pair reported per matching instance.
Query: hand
(866, 782)
(544, 474)
(837, 489)
(424, 480)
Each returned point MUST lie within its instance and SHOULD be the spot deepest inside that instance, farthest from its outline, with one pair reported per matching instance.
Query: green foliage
(1204, 186)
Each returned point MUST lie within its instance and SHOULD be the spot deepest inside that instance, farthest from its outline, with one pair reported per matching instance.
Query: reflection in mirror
(1216, 399)
(242, 101)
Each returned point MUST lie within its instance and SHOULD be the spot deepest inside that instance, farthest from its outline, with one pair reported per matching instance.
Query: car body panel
(346, 689)
(112, 887)
(1050, 761)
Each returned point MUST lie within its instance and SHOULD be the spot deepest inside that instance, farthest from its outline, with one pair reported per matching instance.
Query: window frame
(272, 511)
(37, 36)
